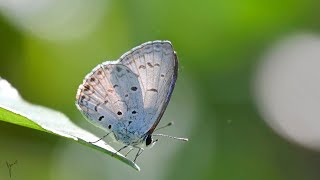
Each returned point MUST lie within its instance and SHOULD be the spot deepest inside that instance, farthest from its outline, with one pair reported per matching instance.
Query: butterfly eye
(148, 140)
(109, 126)
(134, 112)
(119, 113)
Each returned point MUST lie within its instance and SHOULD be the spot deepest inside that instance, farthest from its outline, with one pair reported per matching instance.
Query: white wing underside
(135, 88)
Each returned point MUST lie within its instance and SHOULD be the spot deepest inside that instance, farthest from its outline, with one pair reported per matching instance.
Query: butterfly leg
(138, 154)
(129, 151)
(100, 138)
(120, 150)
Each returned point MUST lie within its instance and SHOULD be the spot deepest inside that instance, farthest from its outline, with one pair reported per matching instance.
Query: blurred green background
(47, 47)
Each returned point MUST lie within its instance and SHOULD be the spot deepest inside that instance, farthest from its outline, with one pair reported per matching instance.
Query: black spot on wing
(96, 107)
(142, 67)
(86, 88)
(154, 90)
(82, 98)
(118, 68)
(101, 117)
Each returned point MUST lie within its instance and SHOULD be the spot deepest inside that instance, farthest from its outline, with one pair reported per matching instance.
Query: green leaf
(15, 110)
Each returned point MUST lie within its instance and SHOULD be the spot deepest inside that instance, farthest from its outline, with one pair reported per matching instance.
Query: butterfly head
(149, 142)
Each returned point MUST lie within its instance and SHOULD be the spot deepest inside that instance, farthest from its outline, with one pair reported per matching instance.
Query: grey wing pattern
(108, 93)
(127, 90)
(156, 65)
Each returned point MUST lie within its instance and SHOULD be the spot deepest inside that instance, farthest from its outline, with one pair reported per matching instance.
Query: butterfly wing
(156, 65)
(107, 95)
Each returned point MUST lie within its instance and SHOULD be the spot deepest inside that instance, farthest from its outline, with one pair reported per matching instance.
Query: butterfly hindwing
(93, 98)
(110, 93)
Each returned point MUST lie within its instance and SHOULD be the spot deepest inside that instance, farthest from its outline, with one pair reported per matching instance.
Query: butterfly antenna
(177, 138)
(169, 124)
(100, 138)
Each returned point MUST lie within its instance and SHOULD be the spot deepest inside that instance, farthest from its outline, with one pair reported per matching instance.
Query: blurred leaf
(13, 109)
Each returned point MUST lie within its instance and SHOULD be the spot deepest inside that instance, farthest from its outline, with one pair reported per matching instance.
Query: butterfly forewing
(156, 66)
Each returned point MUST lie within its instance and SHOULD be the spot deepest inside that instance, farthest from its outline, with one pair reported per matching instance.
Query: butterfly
(128, 97)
